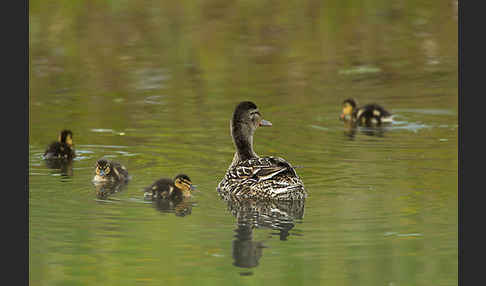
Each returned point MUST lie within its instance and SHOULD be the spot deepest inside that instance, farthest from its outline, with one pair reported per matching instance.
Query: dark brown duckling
(63, 148)
(177, 189)
(368, 115)
(110, 171)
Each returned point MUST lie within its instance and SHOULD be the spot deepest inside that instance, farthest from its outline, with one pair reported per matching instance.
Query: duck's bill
(265, 123)
(193, 188)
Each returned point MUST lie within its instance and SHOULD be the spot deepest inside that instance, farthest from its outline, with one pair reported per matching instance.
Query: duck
(110, 171)
(176, 189)
(369, 115)
(250, 176)
(63, 148)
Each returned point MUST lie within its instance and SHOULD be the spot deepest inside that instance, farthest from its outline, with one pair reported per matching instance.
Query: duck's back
(59, 150)
(120, 171)
(162, 188)
(372, 114)
(262, 178)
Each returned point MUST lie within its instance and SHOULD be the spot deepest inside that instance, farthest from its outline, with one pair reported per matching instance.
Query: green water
(153, 86)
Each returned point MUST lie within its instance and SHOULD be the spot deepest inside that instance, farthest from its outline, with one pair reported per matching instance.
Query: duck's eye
(107, 170)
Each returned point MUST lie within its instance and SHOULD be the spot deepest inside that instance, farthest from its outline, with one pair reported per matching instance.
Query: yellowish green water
(153, 85)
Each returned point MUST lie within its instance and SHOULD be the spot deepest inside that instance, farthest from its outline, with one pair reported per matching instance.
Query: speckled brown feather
(262, 178)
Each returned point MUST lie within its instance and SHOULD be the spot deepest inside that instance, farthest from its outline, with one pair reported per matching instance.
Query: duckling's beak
(264, 123)
(193, 188)
(102, 173)
(341, 116)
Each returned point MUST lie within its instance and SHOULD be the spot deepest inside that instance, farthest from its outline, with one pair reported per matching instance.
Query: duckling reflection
(180, 207)
(61, 166)
(106, 189)
(351, 129)
(254, 214)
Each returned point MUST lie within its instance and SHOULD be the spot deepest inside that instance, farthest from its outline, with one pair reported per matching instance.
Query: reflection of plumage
(352, 128)
(253, 214)
(246, 251)
(61, 149)
(179, 207)
(105, 189)
(110, 171)
(64, 167)
(264, 213)
(250, 176)
(368, 115)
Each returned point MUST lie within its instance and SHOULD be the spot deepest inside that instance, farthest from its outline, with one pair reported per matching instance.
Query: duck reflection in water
(254, 214)
(351, 129)
(106, 189)
(180, 207)
(60, 166)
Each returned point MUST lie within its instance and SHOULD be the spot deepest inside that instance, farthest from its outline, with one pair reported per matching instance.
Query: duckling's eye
(107, 170)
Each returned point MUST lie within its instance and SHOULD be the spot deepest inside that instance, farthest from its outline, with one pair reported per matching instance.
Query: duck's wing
(260, 169)
(267, 178)
(120, 171)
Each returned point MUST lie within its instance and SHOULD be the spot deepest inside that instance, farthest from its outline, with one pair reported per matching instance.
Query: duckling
(368, 115)
(177, 189)
(110, 171)
(250, 176)
(63, 148)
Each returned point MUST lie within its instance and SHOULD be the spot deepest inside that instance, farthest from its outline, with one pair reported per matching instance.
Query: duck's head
(66, 136)
(103, 169)
(184, 183)
(349, 105)
(248, 117)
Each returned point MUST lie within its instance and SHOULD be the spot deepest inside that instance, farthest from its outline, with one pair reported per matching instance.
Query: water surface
(153, 86)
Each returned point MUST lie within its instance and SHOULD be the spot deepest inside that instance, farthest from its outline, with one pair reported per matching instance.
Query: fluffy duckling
(368, 115)
(250, 176)
(177, 189)
(63, 148)
(110, 171)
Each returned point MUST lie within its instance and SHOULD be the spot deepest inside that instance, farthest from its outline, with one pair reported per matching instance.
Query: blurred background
(153, 84)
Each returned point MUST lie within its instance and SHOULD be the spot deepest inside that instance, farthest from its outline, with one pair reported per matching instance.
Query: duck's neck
(243, 140)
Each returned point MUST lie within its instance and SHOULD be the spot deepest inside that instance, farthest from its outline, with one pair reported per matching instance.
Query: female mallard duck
(110, 171)
(250, 176)
(63, 148)
(369, 114)
(166, 188)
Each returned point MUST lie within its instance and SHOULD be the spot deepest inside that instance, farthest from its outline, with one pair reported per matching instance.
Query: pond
(154, 85)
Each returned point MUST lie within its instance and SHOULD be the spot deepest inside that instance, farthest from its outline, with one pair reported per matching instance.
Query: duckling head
(66, 136)
(184, 183)
(349, 106)
(102, 170)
